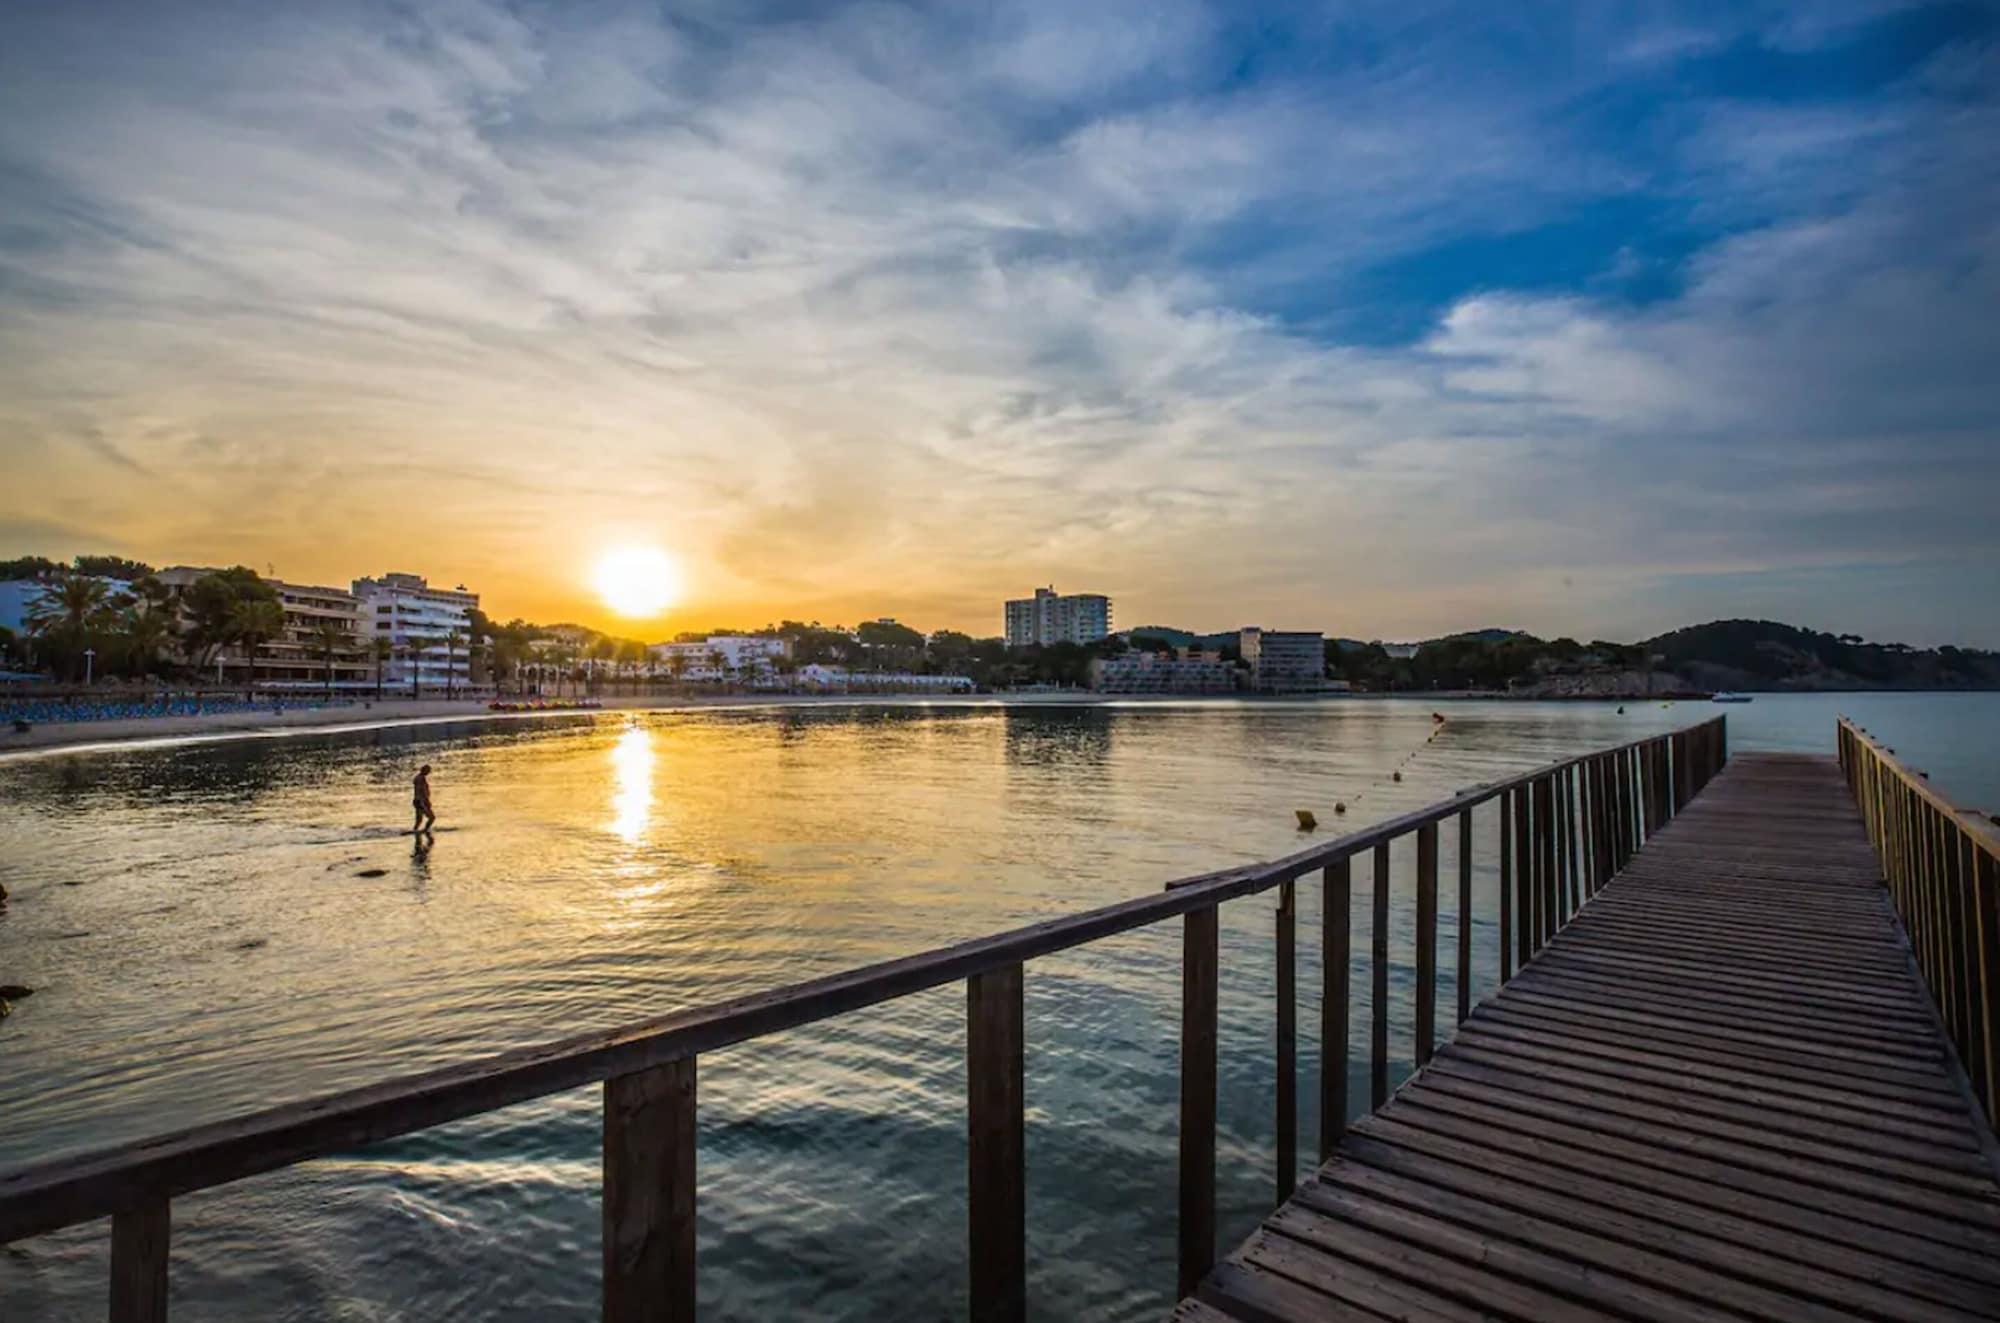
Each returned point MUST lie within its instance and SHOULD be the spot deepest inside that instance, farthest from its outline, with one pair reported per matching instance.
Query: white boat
(1727, 697)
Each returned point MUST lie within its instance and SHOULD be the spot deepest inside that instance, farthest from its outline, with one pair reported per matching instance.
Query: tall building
(1050, 617)
(1284, 661)
(429, 629)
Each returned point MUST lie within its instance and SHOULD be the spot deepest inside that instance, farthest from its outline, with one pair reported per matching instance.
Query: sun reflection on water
(632, 784)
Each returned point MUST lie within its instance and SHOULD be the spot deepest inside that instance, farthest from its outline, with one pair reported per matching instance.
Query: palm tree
(383, 650)
(452, 638)
(254, 622)
(143, 630)
(69, 611)
(329, 637)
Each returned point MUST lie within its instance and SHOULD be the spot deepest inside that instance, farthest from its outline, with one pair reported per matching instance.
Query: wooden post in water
(649, 1172)
(1288, 1042)
(1197, 1167)
(1427, 925)
(1464, 915)
(996, 1168)
(139, 1240)
(1336, 917)
(1378, 1042)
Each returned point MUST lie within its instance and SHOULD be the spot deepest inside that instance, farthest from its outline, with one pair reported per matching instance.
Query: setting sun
(637, 581)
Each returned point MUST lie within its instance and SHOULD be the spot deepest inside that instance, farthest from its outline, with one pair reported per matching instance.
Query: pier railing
(1565, 830)
(1942, 866)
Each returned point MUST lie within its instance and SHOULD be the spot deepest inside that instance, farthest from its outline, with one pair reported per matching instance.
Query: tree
(452, 638)
(383, 650)
(71, 610)
(29, 567)
(145, 626)
(214, 604)
(330, 637)
(255, 621)
(112, 567)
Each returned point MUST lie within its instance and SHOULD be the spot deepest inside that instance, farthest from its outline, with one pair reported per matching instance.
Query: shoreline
(104, 736)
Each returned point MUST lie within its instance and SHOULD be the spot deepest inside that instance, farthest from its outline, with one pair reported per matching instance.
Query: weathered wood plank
(139, 1242)
(1198, 1083)
(996, 1169)
(1287, 1046)
(649, 1183)
(1719, 1092)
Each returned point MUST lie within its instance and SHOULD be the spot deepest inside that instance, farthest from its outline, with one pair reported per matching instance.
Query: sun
(637, 581)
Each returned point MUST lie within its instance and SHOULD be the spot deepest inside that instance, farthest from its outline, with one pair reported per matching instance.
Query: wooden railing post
(139, 1240)
(1197, 1167)
(1288, 1042)
(1506, 803)
(996, 1170)
(1464, 915)
(1427, 922)
(1524, 880)
(1336, 922)
(1986, 899)
(1378, 1039)
(649, 1174)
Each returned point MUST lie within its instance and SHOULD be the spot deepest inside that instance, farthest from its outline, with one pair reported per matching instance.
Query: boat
(1727, 696)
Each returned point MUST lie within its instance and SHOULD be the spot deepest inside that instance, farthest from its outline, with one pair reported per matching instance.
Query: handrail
(1575, 821)
(1941, 864)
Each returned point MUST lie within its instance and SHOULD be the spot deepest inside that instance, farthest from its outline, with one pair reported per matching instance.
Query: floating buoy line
(1308, 822)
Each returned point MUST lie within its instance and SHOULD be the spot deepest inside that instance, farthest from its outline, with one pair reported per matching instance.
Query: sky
(1387, 320)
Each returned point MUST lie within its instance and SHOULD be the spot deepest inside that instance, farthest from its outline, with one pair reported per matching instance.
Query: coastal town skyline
(1578, 321)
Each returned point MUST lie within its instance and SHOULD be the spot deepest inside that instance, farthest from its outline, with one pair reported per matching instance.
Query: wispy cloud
(907, 310)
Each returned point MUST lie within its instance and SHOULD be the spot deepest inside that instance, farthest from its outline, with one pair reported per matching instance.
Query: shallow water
(205, 941)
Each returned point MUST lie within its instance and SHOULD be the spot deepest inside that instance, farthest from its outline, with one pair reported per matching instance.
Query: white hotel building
(419, 622)
(1050, 617)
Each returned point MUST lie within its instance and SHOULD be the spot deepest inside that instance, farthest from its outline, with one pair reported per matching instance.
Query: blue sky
(1386, 319)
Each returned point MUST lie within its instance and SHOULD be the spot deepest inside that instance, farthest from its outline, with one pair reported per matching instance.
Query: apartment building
(429, 630)
(297, 657)
(1052, 617)
(1284, 661)
(1187, 672)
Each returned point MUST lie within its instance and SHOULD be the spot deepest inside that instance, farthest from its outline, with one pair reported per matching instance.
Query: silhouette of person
(421, 792)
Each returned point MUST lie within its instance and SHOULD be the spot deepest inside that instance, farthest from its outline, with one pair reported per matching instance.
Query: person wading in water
(421, 791)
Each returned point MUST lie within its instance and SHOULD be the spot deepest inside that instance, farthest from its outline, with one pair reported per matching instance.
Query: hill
(1763, 654)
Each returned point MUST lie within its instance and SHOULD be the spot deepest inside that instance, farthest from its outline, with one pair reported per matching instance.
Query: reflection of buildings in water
(631, 784)
(1039, 737)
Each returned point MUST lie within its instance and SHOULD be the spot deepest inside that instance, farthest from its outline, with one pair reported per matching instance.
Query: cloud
(875, 308)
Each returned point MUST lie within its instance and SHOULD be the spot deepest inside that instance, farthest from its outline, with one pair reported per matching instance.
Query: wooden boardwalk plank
(1719, 1093)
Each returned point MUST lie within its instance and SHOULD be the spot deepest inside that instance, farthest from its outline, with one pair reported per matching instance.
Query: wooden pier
(1722, 1091)
(1730, 1073)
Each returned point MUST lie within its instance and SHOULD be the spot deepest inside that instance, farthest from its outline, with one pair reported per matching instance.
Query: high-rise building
(1284, 661)
(1050, 617)
(429, 629)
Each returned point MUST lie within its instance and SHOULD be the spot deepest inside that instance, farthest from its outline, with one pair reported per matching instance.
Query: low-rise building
(719, 657)
(429, 630)
(1185, 672)
(1284, 661)
(815, 675)
(1052, 617)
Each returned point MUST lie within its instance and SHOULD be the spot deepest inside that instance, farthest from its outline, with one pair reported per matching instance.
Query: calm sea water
(220, 927)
